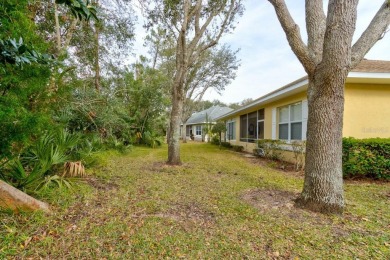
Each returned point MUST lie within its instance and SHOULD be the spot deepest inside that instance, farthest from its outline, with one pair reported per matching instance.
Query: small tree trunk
(323, 186)
(97, 65)
(16, 200)
(58, 30)
(174, 129)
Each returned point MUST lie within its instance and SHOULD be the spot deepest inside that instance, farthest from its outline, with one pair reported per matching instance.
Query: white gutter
(375, 75)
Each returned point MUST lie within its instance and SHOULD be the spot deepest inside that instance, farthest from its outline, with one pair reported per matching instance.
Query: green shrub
(39, 165)
(238, 148)
(299, 150)
(215, 140)
(152, 140)
(226, 144)
(270, 148)
(366, 158)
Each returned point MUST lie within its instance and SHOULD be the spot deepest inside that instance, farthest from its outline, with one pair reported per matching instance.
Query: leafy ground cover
(218, 205)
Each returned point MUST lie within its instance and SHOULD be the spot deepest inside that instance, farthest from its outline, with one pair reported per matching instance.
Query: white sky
(267, 61)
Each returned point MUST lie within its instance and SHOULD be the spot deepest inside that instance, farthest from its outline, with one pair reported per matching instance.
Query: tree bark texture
(174, 127)
(97, 65)
(323, 185)
(16, 200)
(58, 29)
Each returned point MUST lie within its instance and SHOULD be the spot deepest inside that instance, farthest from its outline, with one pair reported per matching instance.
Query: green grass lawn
(218, 205)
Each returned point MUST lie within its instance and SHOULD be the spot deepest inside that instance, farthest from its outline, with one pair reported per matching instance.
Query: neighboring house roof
(380, 66)
(365, 72)
(212, 113)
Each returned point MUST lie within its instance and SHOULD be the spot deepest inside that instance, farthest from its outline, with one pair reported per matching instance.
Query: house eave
(292, 88)
(301, 85)
(368, 77)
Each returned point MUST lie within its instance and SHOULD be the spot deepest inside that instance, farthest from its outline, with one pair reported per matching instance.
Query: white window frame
(258, 121)
(233, 122)
(289, 122)
(198, 128)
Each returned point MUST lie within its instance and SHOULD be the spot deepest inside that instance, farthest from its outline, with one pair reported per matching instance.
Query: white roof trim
(299, 84)
(375, 75)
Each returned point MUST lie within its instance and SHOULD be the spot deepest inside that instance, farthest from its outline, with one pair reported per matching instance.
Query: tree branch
(196, 12)
(58, 32)
(293, 35)
(212, 42)
(315, 26)
(374, 32)
(340, 27)
(70, 32)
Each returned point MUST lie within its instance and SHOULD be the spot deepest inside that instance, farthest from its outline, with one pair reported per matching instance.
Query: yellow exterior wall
(367, 111)
(366, 114)
(248, 147)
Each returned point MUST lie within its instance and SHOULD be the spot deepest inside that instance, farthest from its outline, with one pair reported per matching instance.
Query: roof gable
(209, 115)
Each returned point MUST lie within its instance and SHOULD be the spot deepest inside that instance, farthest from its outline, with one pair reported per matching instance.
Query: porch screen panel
(252, 127)
(260, 115)
(243, 128)
(260, 129)
(260, 124)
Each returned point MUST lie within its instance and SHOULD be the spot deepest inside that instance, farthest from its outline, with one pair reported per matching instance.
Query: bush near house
(226, 144)
(238, 148)
(215, 140)
(366, 158)
(270, 149)
(362, 158)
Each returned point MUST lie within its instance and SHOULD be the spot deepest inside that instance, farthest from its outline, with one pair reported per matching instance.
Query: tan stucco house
(282, 114)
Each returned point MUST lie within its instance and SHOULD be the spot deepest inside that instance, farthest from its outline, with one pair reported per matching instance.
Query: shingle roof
(212, 113)
(379, 66)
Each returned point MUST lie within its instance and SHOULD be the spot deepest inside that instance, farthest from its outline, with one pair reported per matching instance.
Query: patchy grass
(217, 205)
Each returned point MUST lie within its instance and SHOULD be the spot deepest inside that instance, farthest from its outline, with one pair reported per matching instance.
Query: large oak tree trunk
(323, 187)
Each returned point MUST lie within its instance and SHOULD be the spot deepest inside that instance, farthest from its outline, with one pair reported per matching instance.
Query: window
(252, 126)
(231, 130)
(290, 122)
(198, 130)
